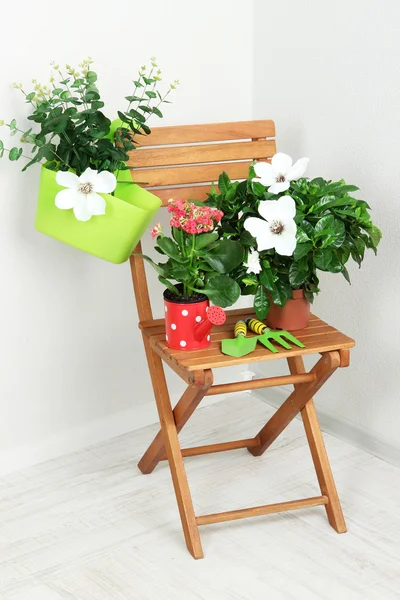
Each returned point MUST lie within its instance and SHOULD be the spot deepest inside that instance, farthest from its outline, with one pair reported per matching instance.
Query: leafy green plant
(332, 227)
(71, 130)
(199, 257)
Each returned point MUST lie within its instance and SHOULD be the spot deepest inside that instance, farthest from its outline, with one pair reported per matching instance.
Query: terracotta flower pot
(188, 321)
(294, 315)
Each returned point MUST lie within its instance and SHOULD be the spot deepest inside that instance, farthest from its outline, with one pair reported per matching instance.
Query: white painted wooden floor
(89, 526)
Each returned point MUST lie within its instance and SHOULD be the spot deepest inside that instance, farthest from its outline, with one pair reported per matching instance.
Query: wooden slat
(189, 155)
(198, 193)
(209, 132)
(221, 447)
(187, 175)
(224, 332)
(241, 386)
(256, 511)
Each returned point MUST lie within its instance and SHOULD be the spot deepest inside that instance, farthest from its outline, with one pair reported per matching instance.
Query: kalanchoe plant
(72, 132)
(291, 228)
(199, 257)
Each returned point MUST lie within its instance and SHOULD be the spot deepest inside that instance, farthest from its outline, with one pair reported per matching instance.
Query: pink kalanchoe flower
(156, 230)
(193, 219)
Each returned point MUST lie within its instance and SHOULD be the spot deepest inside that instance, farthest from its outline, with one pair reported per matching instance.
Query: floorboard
(89, 526)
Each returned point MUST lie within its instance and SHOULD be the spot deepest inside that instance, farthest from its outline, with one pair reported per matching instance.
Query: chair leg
(174, 454)
(297, 400)
(319, 455)
(184, 409)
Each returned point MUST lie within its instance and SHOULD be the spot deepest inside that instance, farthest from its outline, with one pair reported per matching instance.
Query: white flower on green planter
(278, 175)
(82, 192)
(253, 262)
(277, 228)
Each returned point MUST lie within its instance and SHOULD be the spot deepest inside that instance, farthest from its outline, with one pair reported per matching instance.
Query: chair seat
(317, 337)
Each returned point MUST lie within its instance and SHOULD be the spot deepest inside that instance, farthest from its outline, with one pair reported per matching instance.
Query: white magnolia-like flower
(277, 228)
(81, 193)
(253, 262)
(278, 175)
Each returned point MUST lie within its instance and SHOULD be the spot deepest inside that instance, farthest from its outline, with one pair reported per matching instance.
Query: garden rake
(265, 335)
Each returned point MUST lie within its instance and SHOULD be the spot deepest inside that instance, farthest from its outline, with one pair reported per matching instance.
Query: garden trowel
(265, 335)
(240, 345)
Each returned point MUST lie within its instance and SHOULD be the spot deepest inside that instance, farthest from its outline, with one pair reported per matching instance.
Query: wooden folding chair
(181, 162)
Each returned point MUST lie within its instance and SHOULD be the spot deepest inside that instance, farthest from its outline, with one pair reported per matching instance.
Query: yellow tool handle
(240, 329)
(257, 326)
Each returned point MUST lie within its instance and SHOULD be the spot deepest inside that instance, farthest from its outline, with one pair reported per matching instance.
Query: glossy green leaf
(224, 183)
(297, 274)
(261, 302)
(322, 258)
(346, 274)
(225, 256)
(324, 224)
(302, 250)
(267, 278)
(375, 234)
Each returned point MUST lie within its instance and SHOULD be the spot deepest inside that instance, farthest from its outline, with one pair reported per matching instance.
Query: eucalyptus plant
(330, 226)
(69, 129)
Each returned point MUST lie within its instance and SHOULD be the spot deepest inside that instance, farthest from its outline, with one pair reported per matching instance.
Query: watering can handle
(240, 329)
(257, 326)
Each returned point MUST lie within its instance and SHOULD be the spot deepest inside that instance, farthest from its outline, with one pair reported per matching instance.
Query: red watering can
(188, 324)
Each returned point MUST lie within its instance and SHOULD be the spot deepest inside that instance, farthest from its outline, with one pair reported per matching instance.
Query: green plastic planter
(112, 236)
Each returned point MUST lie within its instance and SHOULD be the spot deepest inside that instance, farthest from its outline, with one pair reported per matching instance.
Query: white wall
(71, 355)
(329, 74)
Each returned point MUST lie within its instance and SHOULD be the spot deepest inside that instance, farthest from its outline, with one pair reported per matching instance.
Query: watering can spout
(215, 316)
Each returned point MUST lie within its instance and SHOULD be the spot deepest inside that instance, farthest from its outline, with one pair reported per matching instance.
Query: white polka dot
(185, 313)
(173, 326)
(198, 319)
(166, 337)
(182, 343)
(166, 309)
(208, 338)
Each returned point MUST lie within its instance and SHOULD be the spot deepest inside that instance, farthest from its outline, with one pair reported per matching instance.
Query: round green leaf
(14, 153)
(91, 76)
(222, 290)
(205, 239)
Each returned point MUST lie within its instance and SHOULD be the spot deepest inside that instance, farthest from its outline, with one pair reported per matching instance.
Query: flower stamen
(280, 178)
(85, 188)
(276, 227)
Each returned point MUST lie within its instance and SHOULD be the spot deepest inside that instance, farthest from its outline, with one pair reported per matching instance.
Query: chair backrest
(183, 161)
